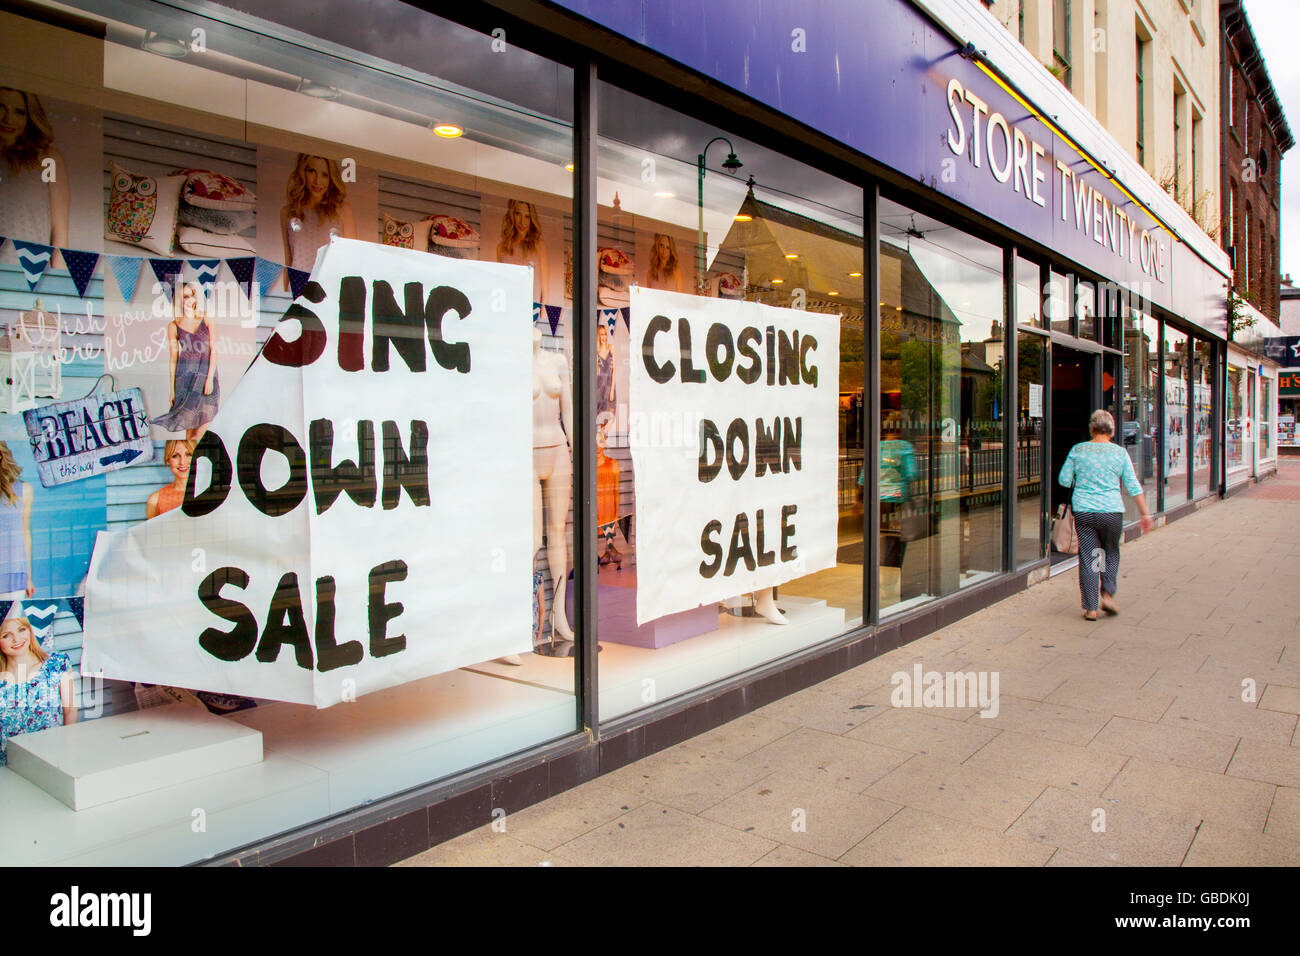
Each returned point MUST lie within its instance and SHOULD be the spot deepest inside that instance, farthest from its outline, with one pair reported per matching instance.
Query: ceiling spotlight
(792, 255)
(163, 45)
(744, 217)
(319, 91)
(857, 275)
(832, 292)
(447, 130)
(777, 281)
(568, 167)
(664, 195)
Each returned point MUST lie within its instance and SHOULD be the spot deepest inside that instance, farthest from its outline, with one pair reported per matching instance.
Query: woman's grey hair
(1101, 423)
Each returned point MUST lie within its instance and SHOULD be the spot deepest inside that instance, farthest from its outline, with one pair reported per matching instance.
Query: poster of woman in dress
(192, 340)
(316, 208)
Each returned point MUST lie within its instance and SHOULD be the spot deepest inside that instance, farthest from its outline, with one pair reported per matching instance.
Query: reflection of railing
(958, 469)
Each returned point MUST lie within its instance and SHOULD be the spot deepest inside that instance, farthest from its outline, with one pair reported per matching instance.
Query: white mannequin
(765, 607)
(552, 470)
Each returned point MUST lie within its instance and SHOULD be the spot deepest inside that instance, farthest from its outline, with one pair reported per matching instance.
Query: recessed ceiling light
(792, 255)
(448, 130)
(898, 308)
(777, 281)
(856, 275)
(319, 91)
(568, 167)
(664, 195)
(832, 292)
(744, 217)
(169, 47)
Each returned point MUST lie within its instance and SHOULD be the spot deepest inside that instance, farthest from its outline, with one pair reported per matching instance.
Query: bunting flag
(537, 312)
(81, 266)
(627, 318)
(205, 273)
(126, 270)
(265, 273)
(167, 270)
(40, 615)
(5, 605)
(553, 316)
(2, 242)
(625, 525)
(34, 258)
(77, 606)
(242, 269)
(297, 281)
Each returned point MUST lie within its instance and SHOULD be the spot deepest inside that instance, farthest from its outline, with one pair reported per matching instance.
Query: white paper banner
(734, 430)
(359, 514)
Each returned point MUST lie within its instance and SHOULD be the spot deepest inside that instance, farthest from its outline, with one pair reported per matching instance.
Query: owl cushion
(405, 235)
(142, 209)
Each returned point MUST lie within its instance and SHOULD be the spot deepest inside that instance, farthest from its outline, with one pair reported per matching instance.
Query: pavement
(1164, 736)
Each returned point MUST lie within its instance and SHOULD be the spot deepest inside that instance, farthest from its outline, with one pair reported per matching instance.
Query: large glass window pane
(1204, 473)
(1140, 429)
(1085, 308)
(1058, 304)
(729, 374)
(1265, 417)
(1029, 293)
(1179, 443)
(1031, 363)
(323, 279)
(941, 359)
(1235, 404)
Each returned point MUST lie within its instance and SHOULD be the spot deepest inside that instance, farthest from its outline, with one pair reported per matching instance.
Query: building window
(1232, 100)
(1245, 251)
(1180, 97)
(1197, 126)
(1139, 61)
(1061, 40)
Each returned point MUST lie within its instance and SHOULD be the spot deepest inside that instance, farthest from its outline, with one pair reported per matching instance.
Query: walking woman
(1097, 470)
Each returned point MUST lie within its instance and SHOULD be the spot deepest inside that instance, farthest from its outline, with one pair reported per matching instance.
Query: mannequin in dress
(522, 244)
(552, 470)
(33, 205)
(316, 208)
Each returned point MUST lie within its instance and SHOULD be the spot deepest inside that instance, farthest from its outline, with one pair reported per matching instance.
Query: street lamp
(731, 162)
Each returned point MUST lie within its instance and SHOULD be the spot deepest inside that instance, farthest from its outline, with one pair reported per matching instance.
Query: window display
(294, 442)
(1141, 398)
(729, 355)
(1266, 417)
(1202, 450)
(1180, 444)
(1235, 403)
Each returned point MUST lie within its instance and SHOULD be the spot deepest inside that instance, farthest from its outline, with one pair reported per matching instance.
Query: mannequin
(552, 470)
(765, 606)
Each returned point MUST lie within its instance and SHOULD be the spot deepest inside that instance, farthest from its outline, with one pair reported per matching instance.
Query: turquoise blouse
(1095, 470)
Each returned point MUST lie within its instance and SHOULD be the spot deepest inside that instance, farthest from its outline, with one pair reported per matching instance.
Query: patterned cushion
(142, 209)
(210, 190)
(405, 235)
(452, 232)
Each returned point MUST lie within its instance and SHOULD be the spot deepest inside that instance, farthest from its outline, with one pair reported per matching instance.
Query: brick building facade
(1254, 135)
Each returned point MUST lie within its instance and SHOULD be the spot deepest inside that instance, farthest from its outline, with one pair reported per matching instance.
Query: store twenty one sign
(359, 513)
(733, 427)
(1003, 151)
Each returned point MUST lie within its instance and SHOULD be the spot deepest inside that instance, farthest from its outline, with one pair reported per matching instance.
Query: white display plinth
(98, 761)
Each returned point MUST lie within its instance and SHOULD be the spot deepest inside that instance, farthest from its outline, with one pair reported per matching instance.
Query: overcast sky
(1277, 26)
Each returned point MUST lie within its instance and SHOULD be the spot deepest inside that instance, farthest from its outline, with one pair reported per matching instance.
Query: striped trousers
(1099, 536)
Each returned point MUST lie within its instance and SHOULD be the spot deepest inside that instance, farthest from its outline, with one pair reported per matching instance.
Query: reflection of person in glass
(665, 270)
(15, 530)
(34, 190)
(605, 398)
(522, 243)
(317, 207)
(35, 687)
(897, 472)
(177, 454)
(192, 341)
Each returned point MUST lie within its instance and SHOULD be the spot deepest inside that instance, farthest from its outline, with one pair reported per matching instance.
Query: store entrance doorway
(1074, 398)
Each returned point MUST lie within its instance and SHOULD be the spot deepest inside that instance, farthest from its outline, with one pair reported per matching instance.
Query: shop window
(1234, 426)
(1266, 417)
(729, 379)
(1085, 309)
(941, 361)
(320, 300)
(1029, 293)
(1031, 367)
(1204, 472)
(1179, 437)
(1058, 306)
(1140, 431)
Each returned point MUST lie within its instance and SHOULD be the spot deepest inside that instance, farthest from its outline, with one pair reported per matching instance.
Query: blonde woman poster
(306, 196)
(50, 174)
(519, 231)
